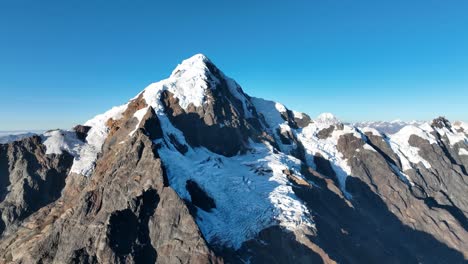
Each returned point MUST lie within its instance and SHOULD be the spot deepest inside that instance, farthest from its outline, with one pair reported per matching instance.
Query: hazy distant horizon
(17, 132)
(42, 130)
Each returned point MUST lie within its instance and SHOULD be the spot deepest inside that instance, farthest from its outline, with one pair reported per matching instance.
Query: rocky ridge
(193, 170)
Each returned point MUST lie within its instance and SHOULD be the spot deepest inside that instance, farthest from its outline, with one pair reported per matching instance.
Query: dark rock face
(128, 232)
(151, 125)
(122, 232)
(286, 137)
(288, 116)
(29, 179)
(302, 121)
(201, 129)
(380, 144)
(199, 197)
(81, 132)
(182, 148)
(81, 257)
(324, 167)
(441, 122)
(326, 132)
(274, 245)
(444, 182)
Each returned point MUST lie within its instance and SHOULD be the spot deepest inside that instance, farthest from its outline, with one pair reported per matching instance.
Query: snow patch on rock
(85, 161)
(139, 115)
(327, 148)
(269, 110)
(58, 141)
(453, 136)
(399, 142)
(371, 130)
(280, 107)
(308, 137)
(369, 147)
(463, 152)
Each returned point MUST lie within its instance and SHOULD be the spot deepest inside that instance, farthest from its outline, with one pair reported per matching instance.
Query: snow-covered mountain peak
(188, 82)
(327, 118)
(195, 65)
(193, 160)
(462, 126)
(441, 122)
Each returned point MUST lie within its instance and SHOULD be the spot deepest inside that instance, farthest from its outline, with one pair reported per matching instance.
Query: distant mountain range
(9, 136)
(388, 127)
(194, 170)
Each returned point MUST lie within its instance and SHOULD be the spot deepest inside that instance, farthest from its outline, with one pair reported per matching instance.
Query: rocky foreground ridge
(193, 170)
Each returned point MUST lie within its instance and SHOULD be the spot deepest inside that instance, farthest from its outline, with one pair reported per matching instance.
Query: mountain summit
(193, 170)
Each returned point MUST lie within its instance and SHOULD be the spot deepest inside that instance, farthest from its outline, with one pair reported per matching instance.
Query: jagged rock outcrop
(81, 132)
(124, 213)
(29, 179)
(396, 209)
(224, 123)
(193, 170)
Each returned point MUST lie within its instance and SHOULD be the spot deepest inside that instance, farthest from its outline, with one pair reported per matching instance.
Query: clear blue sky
(62, 62)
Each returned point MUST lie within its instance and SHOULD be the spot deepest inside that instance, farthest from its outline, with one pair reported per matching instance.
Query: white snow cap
(188, 83)
(196, 63)
(327, 118)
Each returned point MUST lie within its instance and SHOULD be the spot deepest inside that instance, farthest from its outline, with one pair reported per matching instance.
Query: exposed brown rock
(29, 180)
(441, 122)
(302, 121)
(125, 213)
(81, 132)
(295, 179)
(126, 121)
(326, 132)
